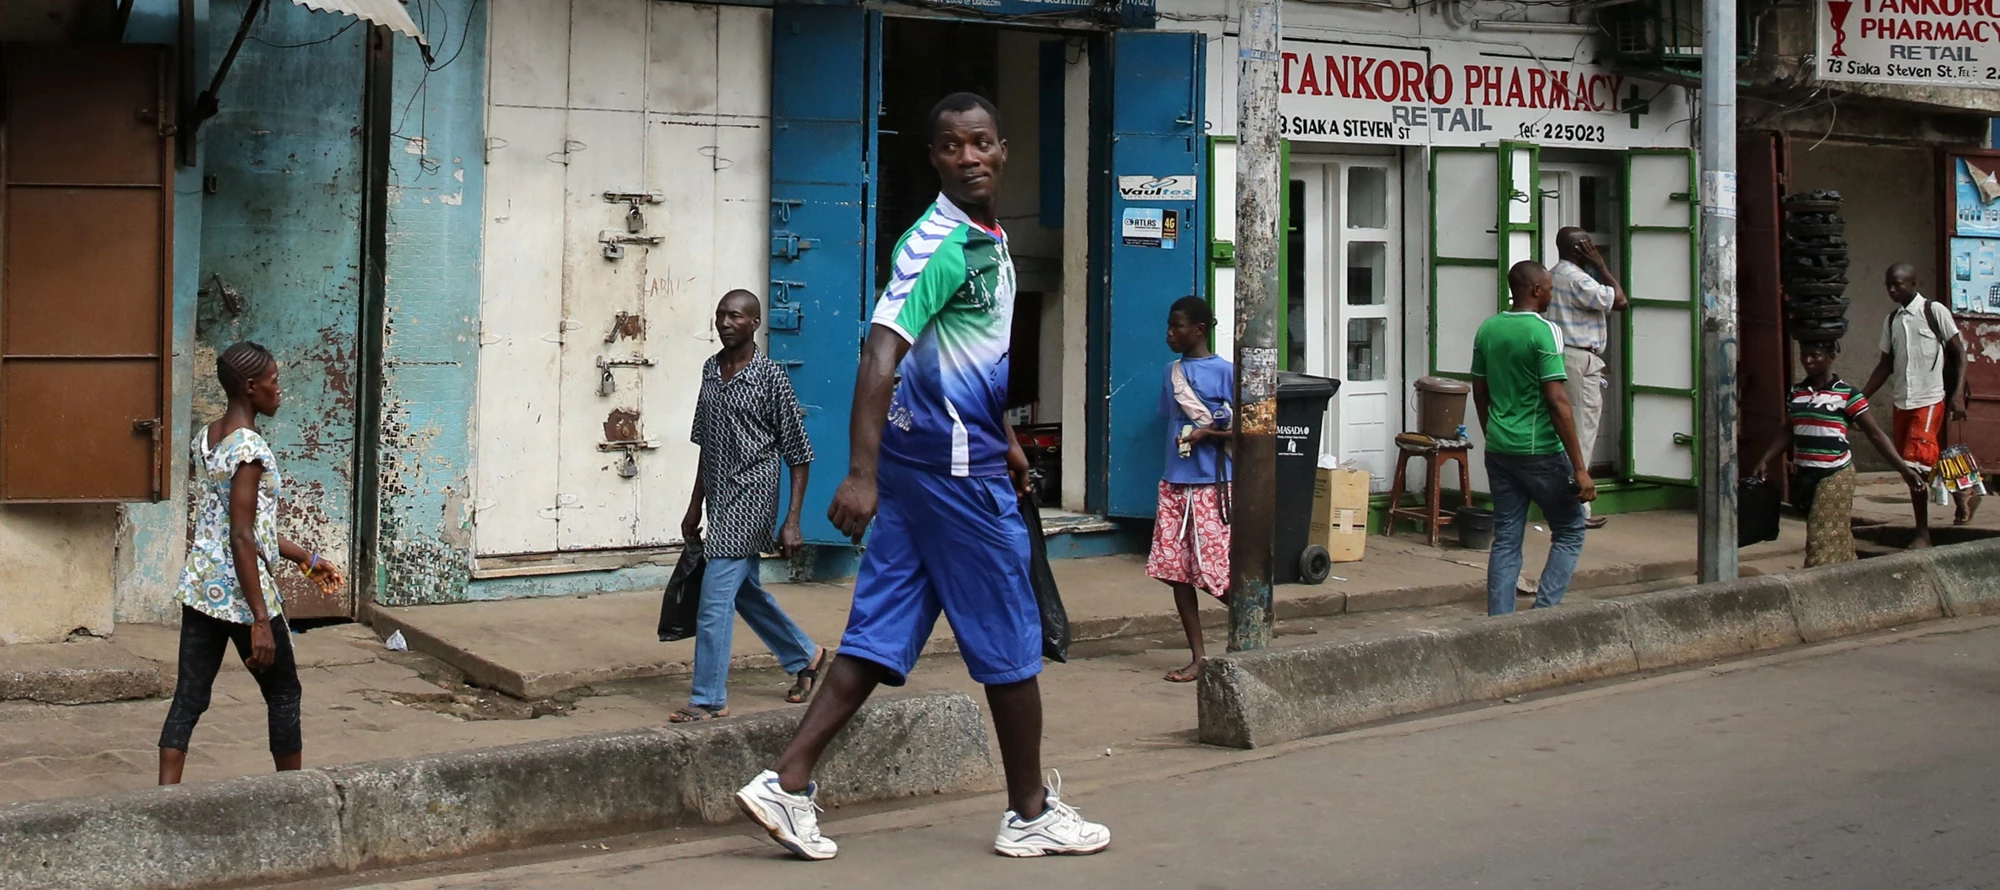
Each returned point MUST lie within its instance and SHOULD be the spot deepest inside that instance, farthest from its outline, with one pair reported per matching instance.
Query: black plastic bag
(1055, 620)
(682, 602)
(1756, 512)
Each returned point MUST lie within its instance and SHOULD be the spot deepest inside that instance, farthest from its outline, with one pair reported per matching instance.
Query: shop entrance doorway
(1344, 299)
(1021, 71)
(1585, 194)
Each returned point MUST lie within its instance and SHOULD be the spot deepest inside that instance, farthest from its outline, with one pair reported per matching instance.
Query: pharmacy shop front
(1417, 176)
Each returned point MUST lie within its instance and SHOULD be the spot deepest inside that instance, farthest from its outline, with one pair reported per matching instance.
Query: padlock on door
(629, 466)
(606, 384)
(614, 251)
(635, 220)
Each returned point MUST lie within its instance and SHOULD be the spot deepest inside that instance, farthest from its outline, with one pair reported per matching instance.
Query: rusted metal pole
(1253, 513)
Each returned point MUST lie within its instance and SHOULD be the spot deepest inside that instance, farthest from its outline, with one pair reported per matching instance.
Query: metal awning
(387, 13)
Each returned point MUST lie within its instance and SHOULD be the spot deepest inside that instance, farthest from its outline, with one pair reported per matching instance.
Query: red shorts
(1191, 538)
(1917, 435)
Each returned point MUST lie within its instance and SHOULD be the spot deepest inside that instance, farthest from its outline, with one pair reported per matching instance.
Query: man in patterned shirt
(746, 421)
(934, 481)
(1585, 295)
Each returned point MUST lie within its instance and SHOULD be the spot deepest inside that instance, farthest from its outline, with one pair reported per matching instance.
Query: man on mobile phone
(1532, 451)
(1584, 294)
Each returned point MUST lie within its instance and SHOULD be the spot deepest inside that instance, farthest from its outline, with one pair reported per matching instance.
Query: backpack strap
(1937, 331)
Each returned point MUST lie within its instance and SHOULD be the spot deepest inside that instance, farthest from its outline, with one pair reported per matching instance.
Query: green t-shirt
(1515, 353)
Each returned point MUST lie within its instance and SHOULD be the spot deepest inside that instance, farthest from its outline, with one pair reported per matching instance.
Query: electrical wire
(327, 39)
(421, 91)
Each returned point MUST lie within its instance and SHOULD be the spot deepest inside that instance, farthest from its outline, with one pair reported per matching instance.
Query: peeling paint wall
(430, 337)
(55, 570)
(281, 260)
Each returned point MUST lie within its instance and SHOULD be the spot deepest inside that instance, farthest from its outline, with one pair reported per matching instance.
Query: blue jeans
(1516, 482)
(729, 587)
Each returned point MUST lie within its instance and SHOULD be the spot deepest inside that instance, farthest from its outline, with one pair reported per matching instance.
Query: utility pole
(1253, 517)
(1717, 409)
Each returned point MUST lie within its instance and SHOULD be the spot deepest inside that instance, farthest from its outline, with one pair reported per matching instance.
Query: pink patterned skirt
(1191, 538)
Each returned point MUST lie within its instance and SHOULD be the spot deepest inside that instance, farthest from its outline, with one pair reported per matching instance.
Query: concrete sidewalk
(534, 648)
(363, 702)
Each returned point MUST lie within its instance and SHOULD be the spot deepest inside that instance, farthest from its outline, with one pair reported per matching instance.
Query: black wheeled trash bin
(1302, 403)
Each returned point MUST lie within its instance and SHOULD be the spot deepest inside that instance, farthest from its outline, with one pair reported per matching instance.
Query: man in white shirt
(1920, 344)
(1584, 296)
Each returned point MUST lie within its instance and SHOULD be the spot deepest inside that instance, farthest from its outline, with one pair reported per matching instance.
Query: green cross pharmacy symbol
(1634, 105)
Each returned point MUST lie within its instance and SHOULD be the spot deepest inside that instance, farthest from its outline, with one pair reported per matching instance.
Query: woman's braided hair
(240, 364)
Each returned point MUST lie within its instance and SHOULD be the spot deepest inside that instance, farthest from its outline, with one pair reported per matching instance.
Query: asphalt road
(1869, 764)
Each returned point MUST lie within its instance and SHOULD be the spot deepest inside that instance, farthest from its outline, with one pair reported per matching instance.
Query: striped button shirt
(1581, 307)
(1820, 420)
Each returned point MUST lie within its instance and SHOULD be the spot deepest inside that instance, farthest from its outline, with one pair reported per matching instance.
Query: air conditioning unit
(1654, 31)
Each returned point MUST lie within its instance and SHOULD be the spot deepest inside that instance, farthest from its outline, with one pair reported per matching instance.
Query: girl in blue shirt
(1191, 532)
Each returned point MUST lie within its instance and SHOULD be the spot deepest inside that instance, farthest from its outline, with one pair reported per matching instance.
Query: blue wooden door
(825, 92)
(1157, 150)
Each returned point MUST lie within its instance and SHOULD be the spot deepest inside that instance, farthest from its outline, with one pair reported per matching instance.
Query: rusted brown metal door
(1764, 355)
(85, 273)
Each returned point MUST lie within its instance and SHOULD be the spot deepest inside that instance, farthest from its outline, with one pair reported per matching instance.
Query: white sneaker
(1060, 830)
(792, 819)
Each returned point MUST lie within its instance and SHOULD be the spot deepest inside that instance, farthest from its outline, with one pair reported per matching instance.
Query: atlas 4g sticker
(1157, 188)
(1146, 227)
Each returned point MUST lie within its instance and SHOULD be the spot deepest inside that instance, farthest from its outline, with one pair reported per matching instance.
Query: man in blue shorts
(934, 479)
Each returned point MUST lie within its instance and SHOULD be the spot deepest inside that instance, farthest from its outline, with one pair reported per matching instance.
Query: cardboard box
(1340, 513)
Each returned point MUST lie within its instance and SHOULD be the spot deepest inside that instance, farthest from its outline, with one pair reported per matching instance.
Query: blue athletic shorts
(952, 544)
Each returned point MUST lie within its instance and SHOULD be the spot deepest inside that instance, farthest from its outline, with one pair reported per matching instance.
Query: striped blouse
(1820, 418)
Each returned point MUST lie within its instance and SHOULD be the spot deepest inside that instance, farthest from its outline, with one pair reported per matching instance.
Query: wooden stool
(1434, 452)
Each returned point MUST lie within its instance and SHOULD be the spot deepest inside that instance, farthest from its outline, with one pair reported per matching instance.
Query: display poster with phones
(1975, 275)
(1975, 244)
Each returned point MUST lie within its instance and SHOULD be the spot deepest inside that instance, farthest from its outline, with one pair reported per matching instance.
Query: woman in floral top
(226, 593)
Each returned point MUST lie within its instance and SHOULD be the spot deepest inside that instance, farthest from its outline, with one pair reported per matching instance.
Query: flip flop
(1183, 675)
(697, 714)
(808, 680)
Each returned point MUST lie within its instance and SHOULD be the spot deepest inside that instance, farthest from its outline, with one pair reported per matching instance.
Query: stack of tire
(1815, 266)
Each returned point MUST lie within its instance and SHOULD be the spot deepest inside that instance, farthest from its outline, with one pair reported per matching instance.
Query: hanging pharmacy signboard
(1470, 94)
(1946, 43)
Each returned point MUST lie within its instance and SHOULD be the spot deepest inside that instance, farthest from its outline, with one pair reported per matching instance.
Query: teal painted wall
(282, 230)
(430, 330)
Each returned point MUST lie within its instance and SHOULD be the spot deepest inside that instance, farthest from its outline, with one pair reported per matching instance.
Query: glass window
(1367, 267)
(1367, 197)
(1367, 349)
(1594, 203)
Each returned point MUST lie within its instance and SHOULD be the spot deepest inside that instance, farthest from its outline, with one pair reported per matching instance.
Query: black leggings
(203, 642)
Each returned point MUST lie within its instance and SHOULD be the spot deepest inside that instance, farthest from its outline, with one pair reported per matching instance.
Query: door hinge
(561, 335)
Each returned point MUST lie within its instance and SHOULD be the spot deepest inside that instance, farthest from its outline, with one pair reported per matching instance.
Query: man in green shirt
(1531, 446)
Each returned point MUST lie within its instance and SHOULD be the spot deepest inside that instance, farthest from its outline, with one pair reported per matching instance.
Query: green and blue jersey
(951, 295)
